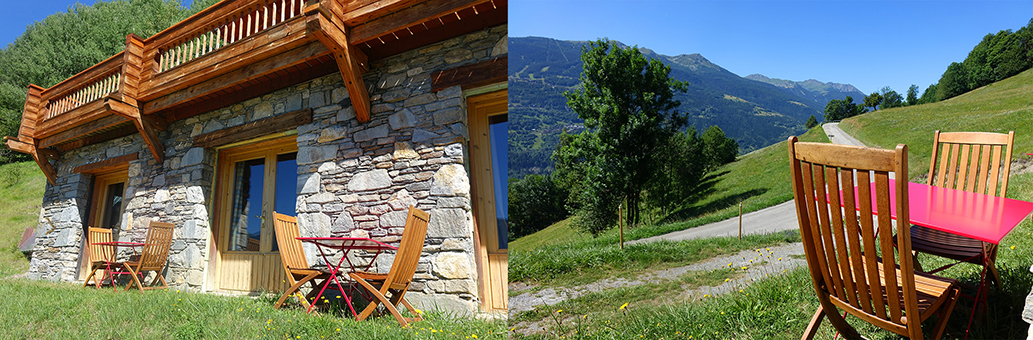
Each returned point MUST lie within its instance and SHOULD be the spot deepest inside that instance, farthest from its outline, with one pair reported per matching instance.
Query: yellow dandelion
(625, 305)
(1012, 247)
(474, 336)
(559, 311)
(338, 329)
(512, 328)
(726, 280)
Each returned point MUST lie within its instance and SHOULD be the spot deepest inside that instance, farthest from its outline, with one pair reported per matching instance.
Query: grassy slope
(21, 186)
(1000, 107)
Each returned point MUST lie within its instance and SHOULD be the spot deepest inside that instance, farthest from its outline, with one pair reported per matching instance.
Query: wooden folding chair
(155, 253)
(851, 257)
(99, 254)
(294, 262)
(977, 162)
(396, 281)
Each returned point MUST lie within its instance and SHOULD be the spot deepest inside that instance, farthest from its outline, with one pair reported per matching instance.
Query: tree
(929, 96)
(953, 82)
(842, 109)
(535, 202)
(811, 122)
(718, 149)
(682, 167)
(873, 100)
(912, 95)
(890, 98)
(627, 103)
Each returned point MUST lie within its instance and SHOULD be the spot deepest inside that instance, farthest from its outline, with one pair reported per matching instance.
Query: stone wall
(354, 179)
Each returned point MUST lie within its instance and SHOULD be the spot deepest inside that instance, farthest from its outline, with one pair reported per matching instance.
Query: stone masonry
(354, 179)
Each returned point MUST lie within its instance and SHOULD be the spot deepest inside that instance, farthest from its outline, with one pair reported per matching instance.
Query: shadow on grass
(694, 211)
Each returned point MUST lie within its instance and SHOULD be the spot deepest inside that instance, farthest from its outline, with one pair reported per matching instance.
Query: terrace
(232, 51)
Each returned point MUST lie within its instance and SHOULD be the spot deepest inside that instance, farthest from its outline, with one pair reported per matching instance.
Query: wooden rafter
(146, 125)
(37, 155)
(349, 59)
(258, 128)
(471, 76)
(106, 165)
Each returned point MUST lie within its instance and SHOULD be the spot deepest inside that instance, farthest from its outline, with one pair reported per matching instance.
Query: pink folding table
(345, 245)
(114, 252)
(978, 216)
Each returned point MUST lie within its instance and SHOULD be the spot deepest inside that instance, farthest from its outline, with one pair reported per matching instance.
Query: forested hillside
(755, 114)
(63, 44)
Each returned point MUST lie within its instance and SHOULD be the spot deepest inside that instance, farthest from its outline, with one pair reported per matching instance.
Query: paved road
(771, 219)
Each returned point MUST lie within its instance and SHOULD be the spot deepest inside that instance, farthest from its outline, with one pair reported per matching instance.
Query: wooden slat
(88, 76)
(222, 78)
(471, 76)
(81, 115)
(410, 16)
(281, 123)
(359, 11)
(130, 82)
(239, 55)
(81, 130)
(107, 164)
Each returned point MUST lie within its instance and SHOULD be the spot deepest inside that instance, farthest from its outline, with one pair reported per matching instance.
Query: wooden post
(620, 222)
(740, 220)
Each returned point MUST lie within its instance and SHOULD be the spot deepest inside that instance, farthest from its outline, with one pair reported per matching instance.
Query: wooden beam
(347, 57)
(31, 112)
(434, 31)
(81, 130)
(107, 164)
(258, 128)
(193, 108)
(118, 132)
(131, 67)
(226, 81)
(29, 148)
(410, 16)
(471, 76)
(17, 145)
(143, 124)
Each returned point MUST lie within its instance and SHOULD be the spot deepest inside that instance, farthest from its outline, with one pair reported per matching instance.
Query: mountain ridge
(754, 113)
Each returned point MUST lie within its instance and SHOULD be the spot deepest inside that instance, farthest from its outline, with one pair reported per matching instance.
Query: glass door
(105, 211)
(255, 181)
(488, 171)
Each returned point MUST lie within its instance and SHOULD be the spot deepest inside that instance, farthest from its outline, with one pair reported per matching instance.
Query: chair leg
(294, 288)
(136, 280)
(380, 299)
(945, 312)
(812, 327)
(838, 322)
(914, 261)
(94, 271)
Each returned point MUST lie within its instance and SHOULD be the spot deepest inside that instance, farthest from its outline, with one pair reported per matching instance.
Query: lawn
(37, 309)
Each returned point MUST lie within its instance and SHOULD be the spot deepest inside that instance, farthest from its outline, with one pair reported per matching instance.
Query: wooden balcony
(230, 52)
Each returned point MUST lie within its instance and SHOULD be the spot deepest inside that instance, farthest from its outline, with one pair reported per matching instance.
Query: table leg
(979, 291)
(333, 278)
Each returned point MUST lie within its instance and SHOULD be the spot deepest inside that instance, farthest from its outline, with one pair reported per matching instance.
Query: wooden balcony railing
(231, 51)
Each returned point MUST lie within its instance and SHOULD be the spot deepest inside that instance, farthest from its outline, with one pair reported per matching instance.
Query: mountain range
(756, 111)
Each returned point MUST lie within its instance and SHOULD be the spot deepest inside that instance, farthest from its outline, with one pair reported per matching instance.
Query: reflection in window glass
(498, 131)
(246, 216)
(286, 187)
(114, 206)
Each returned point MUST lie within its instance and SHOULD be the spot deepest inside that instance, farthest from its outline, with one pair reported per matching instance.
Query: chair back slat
(850, 250)
(409, 249)
(291, 252)
(156, 249)
(972, 161)
(98, 252)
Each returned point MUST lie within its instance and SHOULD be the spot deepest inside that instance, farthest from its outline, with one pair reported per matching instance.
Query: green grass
(1000, 107)
(43, 310)
(21, 186)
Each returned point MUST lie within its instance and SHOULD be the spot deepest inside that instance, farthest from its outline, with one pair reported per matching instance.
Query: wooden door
(488, 168)
(253, 182)
(105, 211)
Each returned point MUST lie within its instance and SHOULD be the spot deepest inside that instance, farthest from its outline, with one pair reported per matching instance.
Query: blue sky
(869, 44)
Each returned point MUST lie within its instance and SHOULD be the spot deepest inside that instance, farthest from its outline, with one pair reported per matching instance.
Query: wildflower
(1012, 247)
(474, 336)
(512, 328)
(559, 311)
(726, 280)
(338, 329)
(625, 305)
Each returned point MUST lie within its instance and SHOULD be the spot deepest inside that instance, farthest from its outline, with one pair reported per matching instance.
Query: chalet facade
(342, 113)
